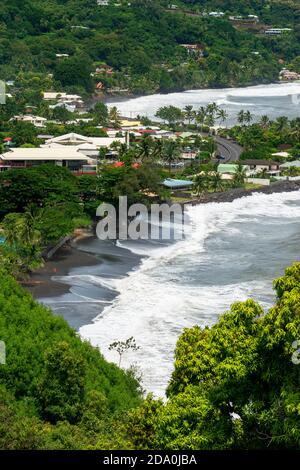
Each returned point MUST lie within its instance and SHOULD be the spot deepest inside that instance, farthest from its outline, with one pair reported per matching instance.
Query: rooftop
(177, 184)
(43, 154)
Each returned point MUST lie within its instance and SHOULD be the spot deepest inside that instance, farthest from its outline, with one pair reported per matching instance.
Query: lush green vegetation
(261, 139)
(234, 385)
(39, 206)
(55, 390)
(129, 38)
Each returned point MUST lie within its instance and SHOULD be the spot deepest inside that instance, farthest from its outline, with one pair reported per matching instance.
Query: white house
(277, 31)
(37, 121)
(78, 139)
(54, 95)
(216, 14)
(27, 157)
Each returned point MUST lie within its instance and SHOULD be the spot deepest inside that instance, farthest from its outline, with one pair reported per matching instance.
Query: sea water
(232, 251)
(282, 99)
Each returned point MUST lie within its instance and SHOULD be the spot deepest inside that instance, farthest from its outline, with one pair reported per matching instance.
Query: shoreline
(237, 193)
(86, 256)
(108, 98)
(90, 256)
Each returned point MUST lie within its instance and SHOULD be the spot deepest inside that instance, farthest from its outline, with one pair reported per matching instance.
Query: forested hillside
(141, 41)
(56, 391)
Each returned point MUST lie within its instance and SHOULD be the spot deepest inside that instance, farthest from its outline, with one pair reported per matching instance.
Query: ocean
(274, 100)
(231, 251)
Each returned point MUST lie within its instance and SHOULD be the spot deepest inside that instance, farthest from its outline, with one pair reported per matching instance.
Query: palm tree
(264, 121)
(295, 132)
(22, 235)
(145, 148)
(200, 184)
(210, 121)
(281, 123)
(239, 176)
(157, 149)
(248, 117)
(201, 116)
(241, 117)
(216, 182)
(222, 115)
(189, 114)
(114, 117)
(170, 152)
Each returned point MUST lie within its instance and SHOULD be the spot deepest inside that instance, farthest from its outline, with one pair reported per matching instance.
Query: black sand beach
(60, 283)
(86, 257)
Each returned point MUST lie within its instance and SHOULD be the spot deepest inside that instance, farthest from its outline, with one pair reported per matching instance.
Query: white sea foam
(163, 296)
(274, 100)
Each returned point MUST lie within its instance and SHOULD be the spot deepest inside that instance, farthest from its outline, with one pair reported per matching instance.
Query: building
(37, 121)
(29, 157)
(216, 14)
(195, 49)
(53, 95)
(288, 75)
(102, 3)
(79, 141)
(257, 166)
(277, 31)
(227, 170)
(293, 164)
(244, 19)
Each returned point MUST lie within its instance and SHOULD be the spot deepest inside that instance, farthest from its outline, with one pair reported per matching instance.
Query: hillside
(140, 44)
(55, 391)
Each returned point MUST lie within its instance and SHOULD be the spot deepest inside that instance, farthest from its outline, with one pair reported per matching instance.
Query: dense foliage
(234, 384)
(55, 390)
(141, 41)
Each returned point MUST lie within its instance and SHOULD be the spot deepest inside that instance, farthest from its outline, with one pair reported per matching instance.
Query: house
(277, 31)
(293, 164)
(77, 140)
(257, 166)
(62, 97)
(130, 123)
(28, 157)
(37, 121)
(61, 56)
(195, 49)
(227, 170)
(287, 75)
(244, 19)
(102, 3)
(104, 69)
(216, 14)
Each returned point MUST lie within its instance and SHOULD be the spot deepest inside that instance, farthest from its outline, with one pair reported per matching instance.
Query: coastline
(91, 256)
(86, 256)
(237, 193)
(107, 98)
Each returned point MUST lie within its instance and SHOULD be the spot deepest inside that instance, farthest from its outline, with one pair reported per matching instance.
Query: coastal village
(173, 333)
(192, 150)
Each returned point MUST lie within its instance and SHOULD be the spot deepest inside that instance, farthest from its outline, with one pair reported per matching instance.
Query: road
(228, 149)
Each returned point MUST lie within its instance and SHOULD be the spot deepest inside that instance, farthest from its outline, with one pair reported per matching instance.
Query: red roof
(147, 131)
(7, 139)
